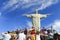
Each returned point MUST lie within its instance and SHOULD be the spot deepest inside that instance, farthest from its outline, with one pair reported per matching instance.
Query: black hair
(8, 31)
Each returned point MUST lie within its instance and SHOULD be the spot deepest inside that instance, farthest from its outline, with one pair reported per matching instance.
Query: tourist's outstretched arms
(27, 15)
(3, 33)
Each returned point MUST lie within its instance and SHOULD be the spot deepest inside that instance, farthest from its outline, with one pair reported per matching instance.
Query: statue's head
(36, 11)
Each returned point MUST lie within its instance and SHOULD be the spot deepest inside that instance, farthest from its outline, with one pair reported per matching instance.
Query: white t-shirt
(21, 36)
(6, 36)
(45, 32)
(38, 37)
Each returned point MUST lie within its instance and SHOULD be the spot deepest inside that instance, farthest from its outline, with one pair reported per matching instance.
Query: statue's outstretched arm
(27, 15)
(44, 15)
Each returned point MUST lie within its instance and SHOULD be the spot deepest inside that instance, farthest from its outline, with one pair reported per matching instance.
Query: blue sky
(11, 13)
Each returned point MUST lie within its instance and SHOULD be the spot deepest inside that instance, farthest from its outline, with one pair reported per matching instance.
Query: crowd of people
(31, 34)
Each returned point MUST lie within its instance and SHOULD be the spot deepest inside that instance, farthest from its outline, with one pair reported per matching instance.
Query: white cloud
(29, 24)
(56, 25)
(47, 3)
(25, 4)
(10, 4)
(41, 4)
(14, 8)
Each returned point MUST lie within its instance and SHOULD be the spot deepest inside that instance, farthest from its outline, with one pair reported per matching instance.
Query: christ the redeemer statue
(36, 18)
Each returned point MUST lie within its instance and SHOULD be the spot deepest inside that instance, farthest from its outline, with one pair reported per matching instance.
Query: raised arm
(27, 15)
(3, 34)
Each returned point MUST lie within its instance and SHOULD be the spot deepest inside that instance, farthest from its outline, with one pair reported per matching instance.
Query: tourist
(50, 35)
(32, 33)
(26, 31)
(17, 31)
(45, 35)
(21, 35)
(56, 36)
(44, 32)
(33, 30)
(6, 36)
(38, 35)
(13, 35)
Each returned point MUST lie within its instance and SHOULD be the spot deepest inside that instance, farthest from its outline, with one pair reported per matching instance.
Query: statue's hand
(47, 15)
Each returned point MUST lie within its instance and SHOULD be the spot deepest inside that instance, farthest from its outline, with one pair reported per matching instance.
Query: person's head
(8, 32)
(17, 29)
(21, 31)
(44, 28)
(48, 31)
(13, 32)
(33, 28)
